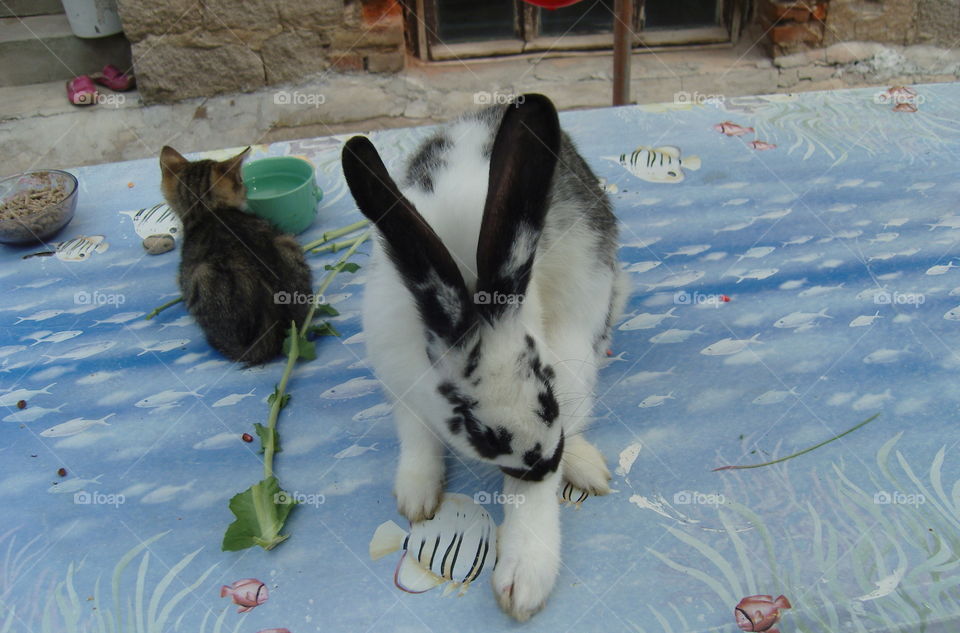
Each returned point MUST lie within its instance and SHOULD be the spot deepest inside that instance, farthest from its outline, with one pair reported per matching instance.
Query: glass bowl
(36, 205)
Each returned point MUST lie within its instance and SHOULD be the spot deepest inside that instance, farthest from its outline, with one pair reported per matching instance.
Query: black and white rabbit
(488, 307)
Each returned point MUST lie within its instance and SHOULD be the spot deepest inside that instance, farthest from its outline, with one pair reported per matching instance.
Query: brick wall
(193, 48)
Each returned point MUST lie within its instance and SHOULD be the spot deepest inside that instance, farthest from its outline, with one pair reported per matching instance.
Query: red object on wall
(552, 4)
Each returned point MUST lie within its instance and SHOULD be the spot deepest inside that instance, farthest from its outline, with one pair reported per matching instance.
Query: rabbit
(488, 306)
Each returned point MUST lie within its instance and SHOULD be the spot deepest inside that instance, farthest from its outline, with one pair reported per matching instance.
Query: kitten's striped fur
(233, 264)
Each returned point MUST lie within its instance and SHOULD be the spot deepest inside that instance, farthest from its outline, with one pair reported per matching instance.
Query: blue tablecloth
(801, 280)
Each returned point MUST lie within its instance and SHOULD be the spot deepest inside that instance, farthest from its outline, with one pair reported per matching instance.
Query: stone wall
(795, 26)
(191, 48)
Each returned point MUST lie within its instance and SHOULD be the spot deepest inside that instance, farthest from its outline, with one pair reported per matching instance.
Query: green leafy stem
(262, 509)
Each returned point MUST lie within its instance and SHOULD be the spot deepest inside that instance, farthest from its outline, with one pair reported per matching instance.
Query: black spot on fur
(538, 467)
(549, 408)
(426, 162)
(455, 424)
(488, 442)
(473, 360)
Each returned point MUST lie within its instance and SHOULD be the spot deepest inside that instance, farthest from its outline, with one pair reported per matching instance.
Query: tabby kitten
(235, 268)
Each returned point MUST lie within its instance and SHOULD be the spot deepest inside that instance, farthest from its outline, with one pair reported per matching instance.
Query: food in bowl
(35, 205)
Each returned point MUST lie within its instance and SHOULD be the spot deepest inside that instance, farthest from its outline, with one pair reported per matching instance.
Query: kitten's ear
(171, 160)
(231, 166)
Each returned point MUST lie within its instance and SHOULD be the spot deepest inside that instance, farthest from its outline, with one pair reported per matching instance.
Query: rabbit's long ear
(522, 165)
(424, 263)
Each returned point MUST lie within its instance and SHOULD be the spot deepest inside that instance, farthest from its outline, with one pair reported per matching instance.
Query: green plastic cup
(283, 191)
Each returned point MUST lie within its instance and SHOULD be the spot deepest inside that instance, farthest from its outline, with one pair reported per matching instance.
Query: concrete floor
(39, 128)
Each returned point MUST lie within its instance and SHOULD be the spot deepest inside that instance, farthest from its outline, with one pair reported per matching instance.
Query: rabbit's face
(503, 405)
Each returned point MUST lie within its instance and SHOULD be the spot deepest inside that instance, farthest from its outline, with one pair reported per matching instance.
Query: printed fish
(816, 291)
(246, 594)
(376, 411)
(43, 315)
(11, 398)
(756, 252)
(801, 320)
(75, 426)
(353, 388)
(735, 226)
(10, 350)
(884, 356)
(37, 336)
(674, 335)
(677, 280)
(646, 321)
(883, 238)
(72, 485)
(455, 546)
(77, 249)
(870, 401)
(646, 376)
(642, 267)
(940, 269)
(693, 249)
(167, 398)
(570, 495)
(728, 346)
(761, 145)
(218, 441)
(59, 337)
(758, 274)
(32, 413)
(81, 351)
(355, 450)
(796, 241)
(181, 322)
(775, 396)
(233, 398)
(164, 346)
(659, 164)
(947, 222)
(865, 319)
(775, 215)
(156, 220)
(730, 128)
(760, 613)
(655, 401)
(122, 317)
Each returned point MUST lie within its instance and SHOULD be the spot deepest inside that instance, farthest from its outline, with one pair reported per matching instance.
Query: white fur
(566, 304)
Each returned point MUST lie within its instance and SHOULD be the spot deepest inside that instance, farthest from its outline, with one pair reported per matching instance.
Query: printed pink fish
(901, 94)
(732, 129)
(274, 631)
(760, 613)
(247, 593)
(761, 145)
(904, 107)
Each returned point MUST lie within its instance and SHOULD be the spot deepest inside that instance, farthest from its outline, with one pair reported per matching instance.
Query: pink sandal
(81, 91)
(114, 79)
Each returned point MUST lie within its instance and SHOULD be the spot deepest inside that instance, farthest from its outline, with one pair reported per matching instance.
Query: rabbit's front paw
(524, 577)
(419, 492)
(584, 467)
